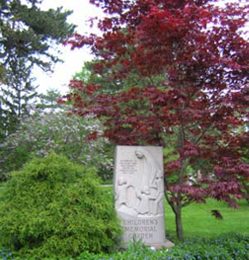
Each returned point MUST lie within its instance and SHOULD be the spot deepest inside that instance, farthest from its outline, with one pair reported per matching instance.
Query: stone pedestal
(139, 194)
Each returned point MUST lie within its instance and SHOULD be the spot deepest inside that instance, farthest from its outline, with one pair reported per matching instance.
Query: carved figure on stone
(140, 193)
(149, 169)
(150, 183)
(126, 197)
(143, 206)
(121, 195)
(132, 198)
(157, 195)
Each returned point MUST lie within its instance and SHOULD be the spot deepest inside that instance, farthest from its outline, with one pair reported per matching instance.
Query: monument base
(165, 244)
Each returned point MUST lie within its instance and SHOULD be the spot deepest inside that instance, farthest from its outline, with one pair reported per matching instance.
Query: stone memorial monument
(139, 194)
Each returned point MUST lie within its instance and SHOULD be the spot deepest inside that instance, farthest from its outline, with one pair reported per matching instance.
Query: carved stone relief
(139, 193)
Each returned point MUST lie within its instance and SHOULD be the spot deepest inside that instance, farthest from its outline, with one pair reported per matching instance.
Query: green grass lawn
(199, 222)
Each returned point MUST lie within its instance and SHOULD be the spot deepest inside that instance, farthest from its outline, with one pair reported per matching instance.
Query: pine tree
(27, 35)
(16, 96)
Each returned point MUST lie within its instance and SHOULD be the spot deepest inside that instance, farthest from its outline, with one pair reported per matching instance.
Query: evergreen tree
(27, 35)
(16, 96)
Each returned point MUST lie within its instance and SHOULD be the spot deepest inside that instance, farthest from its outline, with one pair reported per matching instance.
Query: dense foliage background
(41, 133)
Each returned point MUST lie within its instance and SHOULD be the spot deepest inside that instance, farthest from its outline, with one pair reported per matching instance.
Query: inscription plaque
(128, 166)
(139, 194)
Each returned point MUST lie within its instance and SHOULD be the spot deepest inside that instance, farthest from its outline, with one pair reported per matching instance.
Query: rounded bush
(53, 207)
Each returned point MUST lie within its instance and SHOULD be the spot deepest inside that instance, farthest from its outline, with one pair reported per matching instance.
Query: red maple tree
(196, 112)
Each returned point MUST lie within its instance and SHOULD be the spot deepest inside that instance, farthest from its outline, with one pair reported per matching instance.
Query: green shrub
(226, 247)
(53, 207)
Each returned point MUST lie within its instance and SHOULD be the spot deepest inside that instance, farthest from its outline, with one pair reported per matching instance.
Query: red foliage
(201, 103)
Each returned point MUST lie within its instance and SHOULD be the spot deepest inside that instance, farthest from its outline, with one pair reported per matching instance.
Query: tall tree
(16, 97)
(27, 35)
(196, 111)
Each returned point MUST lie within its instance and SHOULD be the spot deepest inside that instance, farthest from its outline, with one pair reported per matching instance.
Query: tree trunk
(176, 206)
(178, 221)
(246, 190)
(177, 209)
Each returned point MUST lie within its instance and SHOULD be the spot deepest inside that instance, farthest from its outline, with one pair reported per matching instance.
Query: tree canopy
(197, 109)
(27, 32)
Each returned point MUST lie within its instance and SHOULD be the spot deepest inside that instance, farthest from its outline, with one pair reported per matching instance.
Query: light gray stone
(139, 194)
